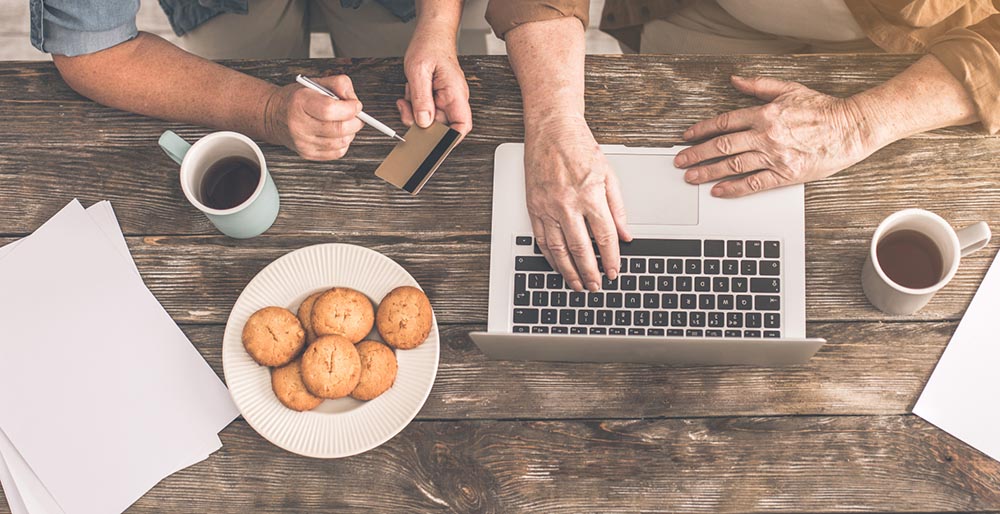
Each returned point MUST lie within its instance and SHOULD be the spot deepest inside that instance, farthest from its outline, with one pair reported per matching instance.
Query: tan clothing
(963, 34)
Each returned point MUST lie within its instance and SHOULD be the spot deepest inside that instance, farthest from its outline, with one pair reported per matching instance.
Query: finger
(405, 112)
(335, 143)
(753, 183)
(555, 243)
(323, 108)
(581, 250)
(602, 226)
(718, 146)
(735, 165)
(616, 206)
(341, 86)
(420, 80)
(316, 154)
(538, 229)
(731, 121)
(459, 114)
(765, 88)
(334, 129)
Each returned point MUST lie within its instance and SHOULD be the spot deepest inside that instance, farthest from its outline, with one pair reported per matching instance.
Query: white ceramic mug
(248, 219)
(892, 298)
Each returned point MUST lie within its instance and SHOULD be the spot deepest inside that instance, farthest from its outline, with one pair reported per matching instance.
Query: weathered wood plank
(783, 464)
(631, 99)
(866, 368)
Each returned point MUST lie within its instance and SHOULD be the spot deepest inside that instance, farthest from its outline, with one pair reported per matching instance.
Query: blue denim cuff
(60, 40)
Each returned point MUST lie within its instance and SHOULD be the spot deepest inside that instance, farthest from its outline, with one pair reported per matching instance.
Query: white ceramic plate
(342, 427)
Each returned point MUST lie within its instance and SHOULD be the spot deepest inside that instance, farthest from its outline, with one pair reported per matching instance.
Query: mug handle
(174, 146)
(973, 237)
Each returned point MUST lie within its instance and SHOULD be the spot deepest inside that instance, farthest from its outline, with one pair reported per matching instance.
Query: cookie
(273, 336)
(286, 382)
(405, 317)
(343, 311)
(305, 315)
(331, 367)
(378, 370)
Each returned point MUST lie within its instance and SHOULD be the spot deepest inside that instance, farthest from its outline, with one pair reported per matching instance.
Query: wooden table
(833, 435)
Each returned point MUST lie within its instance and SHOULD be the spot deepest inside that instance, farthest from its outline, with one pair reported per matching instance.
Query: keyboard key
(678, 319)
(536, 249)
(772, 320)
(540, 330)
(751, 333)
(624, 267)
(716, 319)
(616, 331)
(665, 283)
(558, 298)
(706, 302)
(734, 248)
(613, 300)
(713, 333)
(674, 332)
(683, 283)
(689, 301)
(734, 320)
(733, 333)
(650, 301)
(675, 266)
(752, 249)
(696, 319)
(771, 250)
(623, 318)
(702, 284)
(536, 281)
(521, 298)
(767, 303)
(560, 330)
(720, 284)
(567, 317)
(692, 266)
(633, 300)
(577, 299)
(657, 266)
(585, 317)
(549, 316)
(770, 268)
(640, 318)
(577, 330)
(522, 240)
(753, 319)
(693, 332)
(553, 281)
(654, 331)
(627, 282)
(772, 333)
(668, 300)
(597, 331)
(636, 331)
(521, 329)
(540, 298)
(595, 300)
(605, 317)
(724, 302)
(661, 319)
(730, 267)
(662, 247)
(739, 285)
(748, 267)
(531, 263)
(609, 285)
(647, 283)
(714, 248)
(765, 285)
(712, 266)
(744, 302)
(637, 265)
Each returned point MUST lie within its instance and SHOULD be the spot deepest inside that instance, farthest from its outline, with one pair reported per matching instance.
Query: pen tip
(397, 136)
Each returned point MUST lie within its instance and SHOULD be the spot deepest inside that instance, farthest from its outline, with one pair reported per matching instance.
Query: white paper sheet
(961, 395)
(142, 404)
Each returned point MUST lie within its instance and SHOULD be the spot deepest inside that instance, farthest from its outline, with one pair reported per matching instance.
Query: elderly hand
(435, 87)
(572, 192)
(800, 135)
(317, 127)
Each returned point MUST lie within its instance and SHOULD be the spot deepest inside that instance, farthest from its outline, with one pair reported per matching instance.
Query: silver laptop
(705, 281)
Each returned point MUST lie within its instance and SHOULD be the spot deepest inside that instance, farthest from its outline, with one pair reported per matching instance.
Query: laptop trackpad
(654, 190)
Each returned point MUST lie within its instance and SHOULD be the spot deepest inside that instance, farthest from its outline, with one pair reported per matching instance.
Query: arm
(436, 86)
(802, 135)
(570, 186)
(150, 76)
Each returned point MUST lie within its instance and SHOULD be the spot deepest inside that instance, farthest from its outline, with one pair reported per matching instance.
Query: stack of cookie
(324, 352)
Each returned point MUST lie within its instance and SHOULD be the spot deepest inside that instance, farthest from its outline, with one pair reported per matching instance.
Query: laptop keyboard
(666, 287)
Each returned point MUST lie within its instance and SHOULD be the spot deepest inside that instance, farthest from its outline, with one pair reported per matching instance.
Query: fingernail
(423, 118)
(612, 274)
(691, 176)
(688, 134)
(718, 191)
(575, 285)
(681, 160)
(358, 107)
(593, 287)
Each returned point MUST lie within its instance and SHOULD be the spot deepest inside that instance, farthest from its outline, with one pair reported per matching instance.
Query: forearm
(150, 76)
(439, 17)
(923, 97)
(550, 75)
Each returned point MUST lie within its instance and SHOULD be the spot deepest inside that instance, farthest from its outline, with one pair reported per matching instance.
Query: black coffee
(229, 182)
(910, 259)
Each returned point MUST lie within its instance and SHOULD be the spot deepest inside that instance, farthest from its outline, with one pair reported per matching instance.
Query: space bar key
(662, 247)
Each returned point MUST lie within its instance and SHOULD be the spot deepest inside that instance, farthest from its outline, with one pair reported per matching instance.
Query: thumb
(421, 95)
(765, 88)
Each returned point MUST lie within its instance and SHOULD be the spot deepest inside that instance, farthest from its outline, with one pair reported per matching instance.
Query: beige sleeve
(972, 55)
(504, 15)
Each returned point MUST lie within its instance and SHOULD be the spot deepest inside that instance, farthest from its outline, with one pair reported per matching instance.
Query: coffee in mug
(229, 182)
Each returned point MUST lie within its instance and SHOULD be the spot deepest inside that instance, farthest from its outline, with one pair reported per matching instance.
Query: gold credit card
(410, 165)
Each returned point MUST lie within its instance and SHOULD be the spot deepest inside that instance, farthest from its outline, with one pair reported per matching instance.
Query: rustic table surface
(833, 435)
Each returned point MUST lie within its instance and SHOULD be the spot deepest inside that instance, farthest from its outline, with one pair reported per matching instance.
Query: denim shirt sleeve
(77, 27)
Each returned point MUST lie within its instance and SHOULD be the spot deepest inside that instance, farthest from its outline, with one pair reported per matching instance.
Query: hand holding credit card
(411, 163)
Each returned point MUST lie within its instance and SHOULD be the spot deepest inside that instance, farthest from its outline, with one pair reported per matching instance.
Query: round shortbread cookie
(345, 312)
(331, 367)
(378, 370)
(305, 315)
(287, 384)
(273, 336)
(405, 317)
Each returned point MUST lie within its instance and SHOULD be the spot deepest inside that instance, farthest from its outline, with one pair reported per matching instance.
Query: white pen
(372, 122)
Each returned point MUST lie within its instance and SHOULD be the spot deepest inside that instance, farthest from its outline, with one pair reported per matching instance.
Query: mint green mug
(249, 219)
